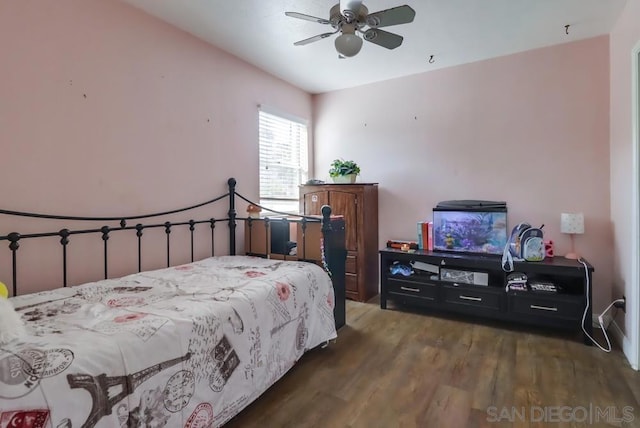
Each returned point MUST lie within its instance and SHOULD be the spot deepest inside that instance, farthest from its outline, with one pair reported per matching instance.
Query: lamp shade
(348, 44)
(572, 223)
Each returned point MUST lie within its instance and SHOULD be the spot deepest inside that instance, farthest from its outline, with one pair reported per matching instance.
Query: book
(423, 234)
(430, 236)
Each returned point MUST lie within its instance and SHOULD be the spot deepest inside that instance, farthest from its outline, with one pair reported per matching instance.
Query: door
(346, 204)
(635, 274)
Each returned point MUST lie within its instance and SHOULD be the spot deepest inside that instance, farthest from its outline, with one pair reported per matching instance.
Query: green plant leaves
(343, 167)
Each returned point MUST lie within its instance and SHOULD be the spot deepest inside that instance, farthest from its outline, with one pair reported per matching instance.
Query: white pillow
(11, 325)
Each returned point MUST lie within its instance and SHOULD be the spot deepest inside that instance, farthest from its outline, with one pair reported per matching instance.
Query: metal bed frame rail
(14, 238)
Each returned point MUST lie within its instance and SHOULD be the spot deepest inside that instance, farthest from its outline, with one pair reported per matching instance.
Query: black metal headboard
(332, 251)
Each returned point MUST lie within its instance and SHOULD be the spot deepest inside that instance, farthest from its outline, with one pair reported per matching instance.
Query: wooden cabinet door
(314, 201)
(346, 204)
(308, 242)
(256, 237)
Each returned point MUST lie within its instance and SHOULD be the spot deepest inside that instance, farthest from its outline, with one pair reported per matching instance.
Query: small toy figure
(448, 241)
(254, 211)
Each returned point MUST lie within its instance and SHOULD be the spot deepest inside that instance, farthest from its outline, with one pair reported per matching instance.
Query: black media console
(477, 285)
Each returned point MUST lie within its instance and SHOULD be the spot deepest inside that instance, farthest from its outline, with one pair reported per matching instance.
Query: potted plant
(343, 171)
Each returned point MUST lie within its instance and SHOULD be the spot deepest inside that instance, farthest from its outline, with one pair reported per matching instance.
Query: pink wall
(167, 118)
(106, 110)
(624, 37)
(531, 129)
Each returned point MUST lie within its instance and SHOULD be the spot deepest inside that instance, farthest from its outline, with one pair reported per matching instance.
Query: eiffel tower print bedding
(188, 346)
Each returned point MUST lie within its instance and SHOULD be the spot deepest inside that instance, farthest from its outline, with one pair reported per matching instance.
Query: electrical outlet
(605, 319)
(622, 305)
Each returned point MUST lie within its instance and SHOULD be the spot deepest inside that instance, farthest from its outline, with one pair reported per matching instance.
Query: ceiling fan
(350, 17)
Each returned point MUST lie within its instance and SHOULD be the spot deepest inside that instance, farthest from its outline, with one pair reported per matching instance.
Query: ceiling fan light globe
(348, 44)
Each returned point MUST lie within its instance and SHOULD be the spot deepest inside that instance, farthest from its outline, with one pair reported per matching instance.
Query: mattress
(188, 346)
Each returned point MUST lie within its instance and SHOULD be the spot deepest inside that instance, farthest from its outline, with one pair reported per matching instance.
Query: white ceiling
(453, 31)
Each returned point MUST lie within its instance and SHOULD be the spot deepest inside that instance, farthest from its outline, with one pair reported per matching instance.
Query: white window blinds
(283, 161)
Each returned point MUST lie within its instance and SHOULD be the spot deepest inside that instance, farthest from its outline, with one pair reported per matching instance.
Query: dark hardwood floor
(399, 368)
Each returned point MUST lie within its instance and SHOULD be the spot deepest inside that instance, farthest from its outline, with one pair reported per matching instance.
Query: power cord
(600, 317)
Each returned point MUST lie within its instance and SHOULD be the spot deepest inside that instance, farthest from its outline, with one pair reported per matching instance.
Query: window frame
(271, 201)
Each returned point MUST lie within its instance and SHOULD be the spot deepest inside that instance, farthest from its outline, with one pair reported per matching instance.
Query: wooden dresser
(358, 203)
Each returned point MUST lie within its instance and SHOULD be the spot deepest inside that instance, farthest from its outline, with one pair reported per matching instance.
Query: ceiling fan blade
(383, 38)
(313, 39)
(394, 16)
(307, 17)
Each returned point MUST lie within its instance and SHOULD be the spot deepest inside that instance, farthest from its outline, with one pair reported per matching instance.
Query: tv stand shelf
(428, 289)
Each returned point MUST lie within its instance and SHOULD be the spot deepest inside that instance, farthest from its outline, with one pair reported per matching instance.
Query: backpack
(525, 243)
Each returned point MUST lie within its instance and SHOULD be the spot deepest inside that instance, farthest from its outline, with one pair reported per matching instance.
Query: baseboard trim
(624, 342)
(617, 335)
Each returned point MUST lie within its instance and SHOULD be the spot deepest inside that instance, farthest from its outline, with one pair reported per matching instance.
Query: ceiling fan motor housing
(339, 16)
(353, 5)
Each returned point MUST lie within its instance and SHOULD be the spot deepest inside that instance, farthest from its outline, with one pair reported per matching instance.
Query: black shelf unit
(563, 309)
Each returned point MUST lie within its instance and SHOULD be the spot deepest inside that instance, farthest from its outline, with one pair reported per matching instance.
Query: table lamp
(572, 223)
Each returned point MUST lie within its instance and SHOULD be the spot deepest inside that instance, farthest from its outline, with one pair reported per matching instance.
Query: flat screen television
(470, 231)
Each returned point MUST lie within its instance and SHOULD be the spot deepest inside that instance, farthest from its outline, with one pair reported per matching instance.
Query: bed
(183, 346)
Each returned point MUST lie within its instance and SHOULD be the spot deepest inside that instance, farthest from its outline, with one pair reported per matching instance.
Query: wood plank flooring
(400, 368)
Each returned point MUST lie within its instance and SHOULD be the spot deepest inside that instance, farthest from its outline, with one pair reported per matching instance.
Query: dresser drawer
(473, 297)
(554, 306)
(351, 263)
(351, 282)
(424, 290)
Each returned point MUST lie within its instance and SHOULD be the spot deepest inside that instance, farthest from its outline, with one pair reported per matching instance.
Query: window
(284, 161)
